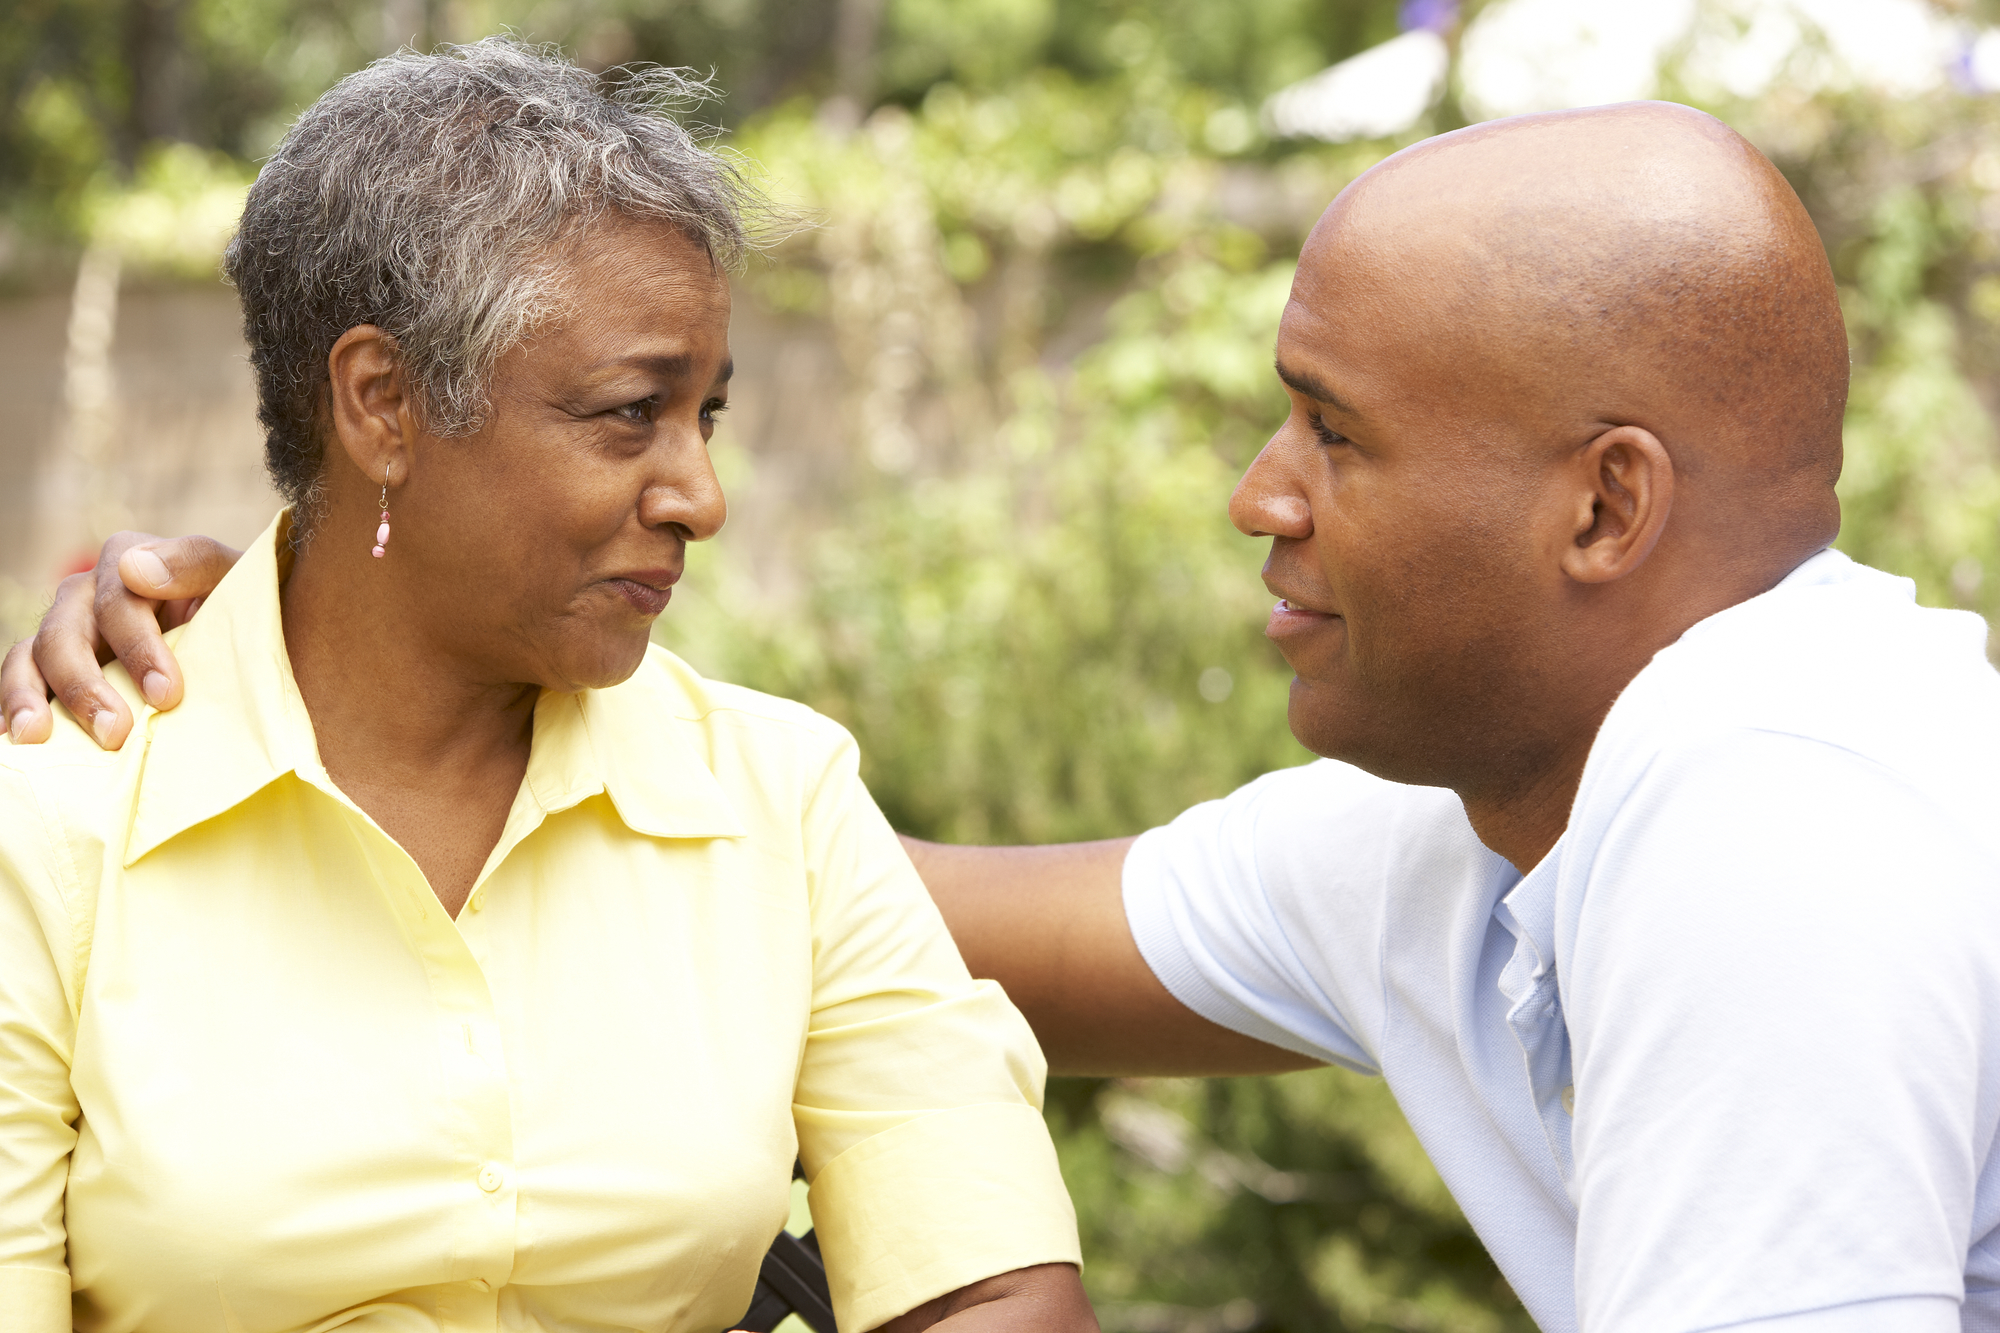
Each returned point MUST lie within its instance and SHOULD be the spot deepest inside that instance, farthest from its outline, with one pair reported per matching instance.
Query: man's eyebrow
(728, 369)
(1314, 389)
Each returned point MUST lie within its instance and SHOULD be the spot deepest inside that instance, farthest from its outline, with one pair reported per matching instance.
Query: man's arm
(1048, 923)
(142, 585)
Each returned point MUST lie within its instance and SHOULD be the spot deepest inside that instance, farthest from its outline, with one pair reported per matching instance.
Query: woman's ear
(1624, 489)
(372, 416)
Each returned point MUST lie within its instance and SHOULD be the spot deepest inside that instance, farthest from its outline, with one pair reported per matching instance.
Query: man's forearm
(1048, 923)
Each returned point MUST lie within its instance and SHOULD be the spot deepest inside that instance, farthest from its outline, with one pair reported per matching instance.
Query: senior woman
(450, 958)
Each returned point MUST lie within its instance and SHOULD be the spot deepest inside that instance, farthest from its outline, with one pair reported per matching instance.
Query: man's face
(1401, 498)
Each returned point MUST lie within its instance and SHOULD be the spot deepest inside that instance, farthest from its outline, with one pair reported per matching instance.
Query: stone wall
(184, 452)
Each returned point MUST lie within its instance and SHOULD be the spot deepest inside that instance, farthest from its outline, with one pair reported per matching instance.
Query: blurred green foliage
(1057, 552)
(1051, 245)
(1055, 302)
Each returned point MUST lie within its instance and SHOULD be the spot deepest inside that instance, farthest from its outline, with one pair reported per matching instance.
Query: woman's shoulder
(730, 715)
(69, 778)
(62, 803)
(695, 697)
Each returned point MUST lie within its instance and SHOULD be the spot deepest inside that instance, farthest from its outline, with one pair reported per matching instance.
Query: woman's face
(549, 541)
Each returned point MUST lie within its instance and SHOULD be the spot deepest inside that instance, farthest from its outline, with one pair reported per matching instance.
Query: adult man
(1660, 877)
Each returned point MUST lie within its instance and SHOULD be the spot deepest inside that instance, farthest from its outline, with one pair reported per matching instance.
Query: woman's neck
(409, 731)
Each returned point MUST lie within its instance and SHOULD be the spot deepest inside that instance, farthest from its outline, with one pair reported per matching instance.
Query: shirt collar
(242, 724)
(634, 743)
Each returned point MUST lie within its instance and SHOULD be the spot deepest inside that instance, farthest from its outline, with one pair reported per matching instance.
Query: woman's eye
(1326, 433)
(712, 409)
(645, 410)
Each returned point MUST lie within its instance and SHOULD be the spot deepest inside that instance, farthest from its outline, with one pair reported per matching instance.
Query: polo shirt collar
(242, 725)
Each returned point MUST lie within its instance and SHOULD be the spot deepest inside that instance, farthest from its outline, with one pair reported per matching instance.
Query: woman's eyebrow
(1314, 388)
(662, 365)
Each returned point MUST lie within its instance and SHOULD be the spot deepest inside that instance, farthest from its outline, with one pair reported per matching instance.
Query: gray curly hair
(426, 195)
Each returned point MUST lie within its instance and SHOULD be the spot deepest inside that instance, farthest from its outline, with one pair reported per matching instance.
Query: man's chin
(1328, 720)
(1321, 719)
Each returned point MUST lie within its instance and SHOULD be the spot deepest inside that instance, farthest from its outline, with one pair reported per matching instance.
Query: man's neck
(1523, 823)
(1519, 794)
(1520, 806)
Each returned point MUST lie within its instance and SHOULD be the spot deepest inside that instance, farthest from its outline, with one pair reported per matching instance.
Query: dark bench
(792, 1281)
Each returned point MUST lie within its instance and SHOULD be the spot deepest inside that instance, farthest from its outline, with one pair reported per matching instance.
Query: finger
(24, 697)
(66, 654)
(159, 583)
(164, 570)
(129, 625)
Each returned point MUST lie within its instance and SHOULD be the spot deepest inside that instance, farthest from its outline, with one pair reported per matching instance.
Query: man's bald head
(1562, 386)
(1637, 263)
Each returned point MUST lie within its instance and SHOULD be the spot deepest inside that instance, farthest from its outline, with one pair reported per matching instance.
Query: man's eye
(645, 410)
(713, 408)
(1326, 434)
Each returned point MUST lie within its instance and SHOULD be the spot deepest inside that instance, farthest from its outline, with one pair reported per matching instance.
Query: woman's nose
(690, 500)
(1267, 502)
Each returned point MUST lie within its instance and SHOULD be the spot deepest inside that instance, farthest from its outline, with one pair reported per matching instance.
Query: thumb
(181, 567)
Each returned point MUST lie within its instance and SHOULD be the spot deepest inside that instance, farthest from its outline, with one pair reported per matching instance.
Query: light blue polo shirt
(1729, 1057)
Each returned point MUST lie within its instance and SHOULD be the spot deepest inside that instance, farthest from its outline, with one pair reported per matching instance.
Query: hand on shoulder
(142, 586)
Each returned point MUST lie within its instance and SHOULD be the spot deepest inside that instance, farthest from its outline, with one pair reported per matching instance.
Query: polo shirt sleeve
(38, 1110)
(1781, 993)
(1265, 911)
(919, 1093)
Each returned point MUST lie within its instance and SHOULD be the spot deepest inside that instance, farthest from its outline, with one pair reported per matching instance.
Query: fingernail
(16, 725)
(154, 687)
(101, 723)
(150, 567)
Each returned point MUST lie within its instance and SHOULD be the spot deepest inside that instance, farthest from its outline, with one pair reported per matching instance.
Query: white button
(1569, 1099)
(478, 901)
(489, 1179)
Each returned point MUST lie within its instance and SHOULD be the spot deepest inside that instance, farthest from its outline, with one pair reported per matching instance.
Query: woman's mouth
(644, 597)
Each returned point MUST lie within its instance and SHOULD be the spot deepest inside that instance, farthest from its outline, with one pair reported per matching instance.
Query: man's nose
(1268, 501)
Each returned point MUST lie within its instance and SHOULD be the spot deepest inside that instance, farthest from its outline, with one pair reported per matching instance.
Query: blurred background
(990, 406)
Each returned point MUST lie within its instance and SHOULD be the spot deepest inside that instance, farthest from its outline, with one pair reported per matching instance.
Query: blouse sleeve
(918, 1101)
(38, 1110)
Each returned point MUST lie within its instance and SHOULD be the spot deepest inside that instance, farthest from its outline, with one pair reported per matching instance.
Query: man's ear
(1624, 489)
(372, 416)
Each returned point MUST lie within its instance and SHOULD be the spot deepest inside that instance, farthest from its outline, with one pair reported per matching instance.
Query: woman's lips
(644, 597)
(1288, 620)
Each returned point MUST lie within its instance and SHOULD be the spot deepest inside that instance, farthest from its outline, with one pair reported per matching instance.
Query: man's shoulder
(1849, 661)
(1322, 834)
(1330, 787)
(1331, 803)
(1832, 714)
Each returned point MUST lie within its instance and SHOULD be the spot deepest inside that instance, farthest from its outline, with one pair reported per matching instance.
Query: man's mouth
(1289, 618)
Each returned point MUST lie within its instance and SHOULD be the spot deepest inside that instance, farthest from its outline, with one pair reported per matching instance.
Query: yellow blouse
(252, 1076)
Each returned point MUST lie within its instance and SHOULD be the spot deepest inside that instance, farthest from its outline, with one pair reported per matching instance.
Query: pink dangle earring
(382, 532)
